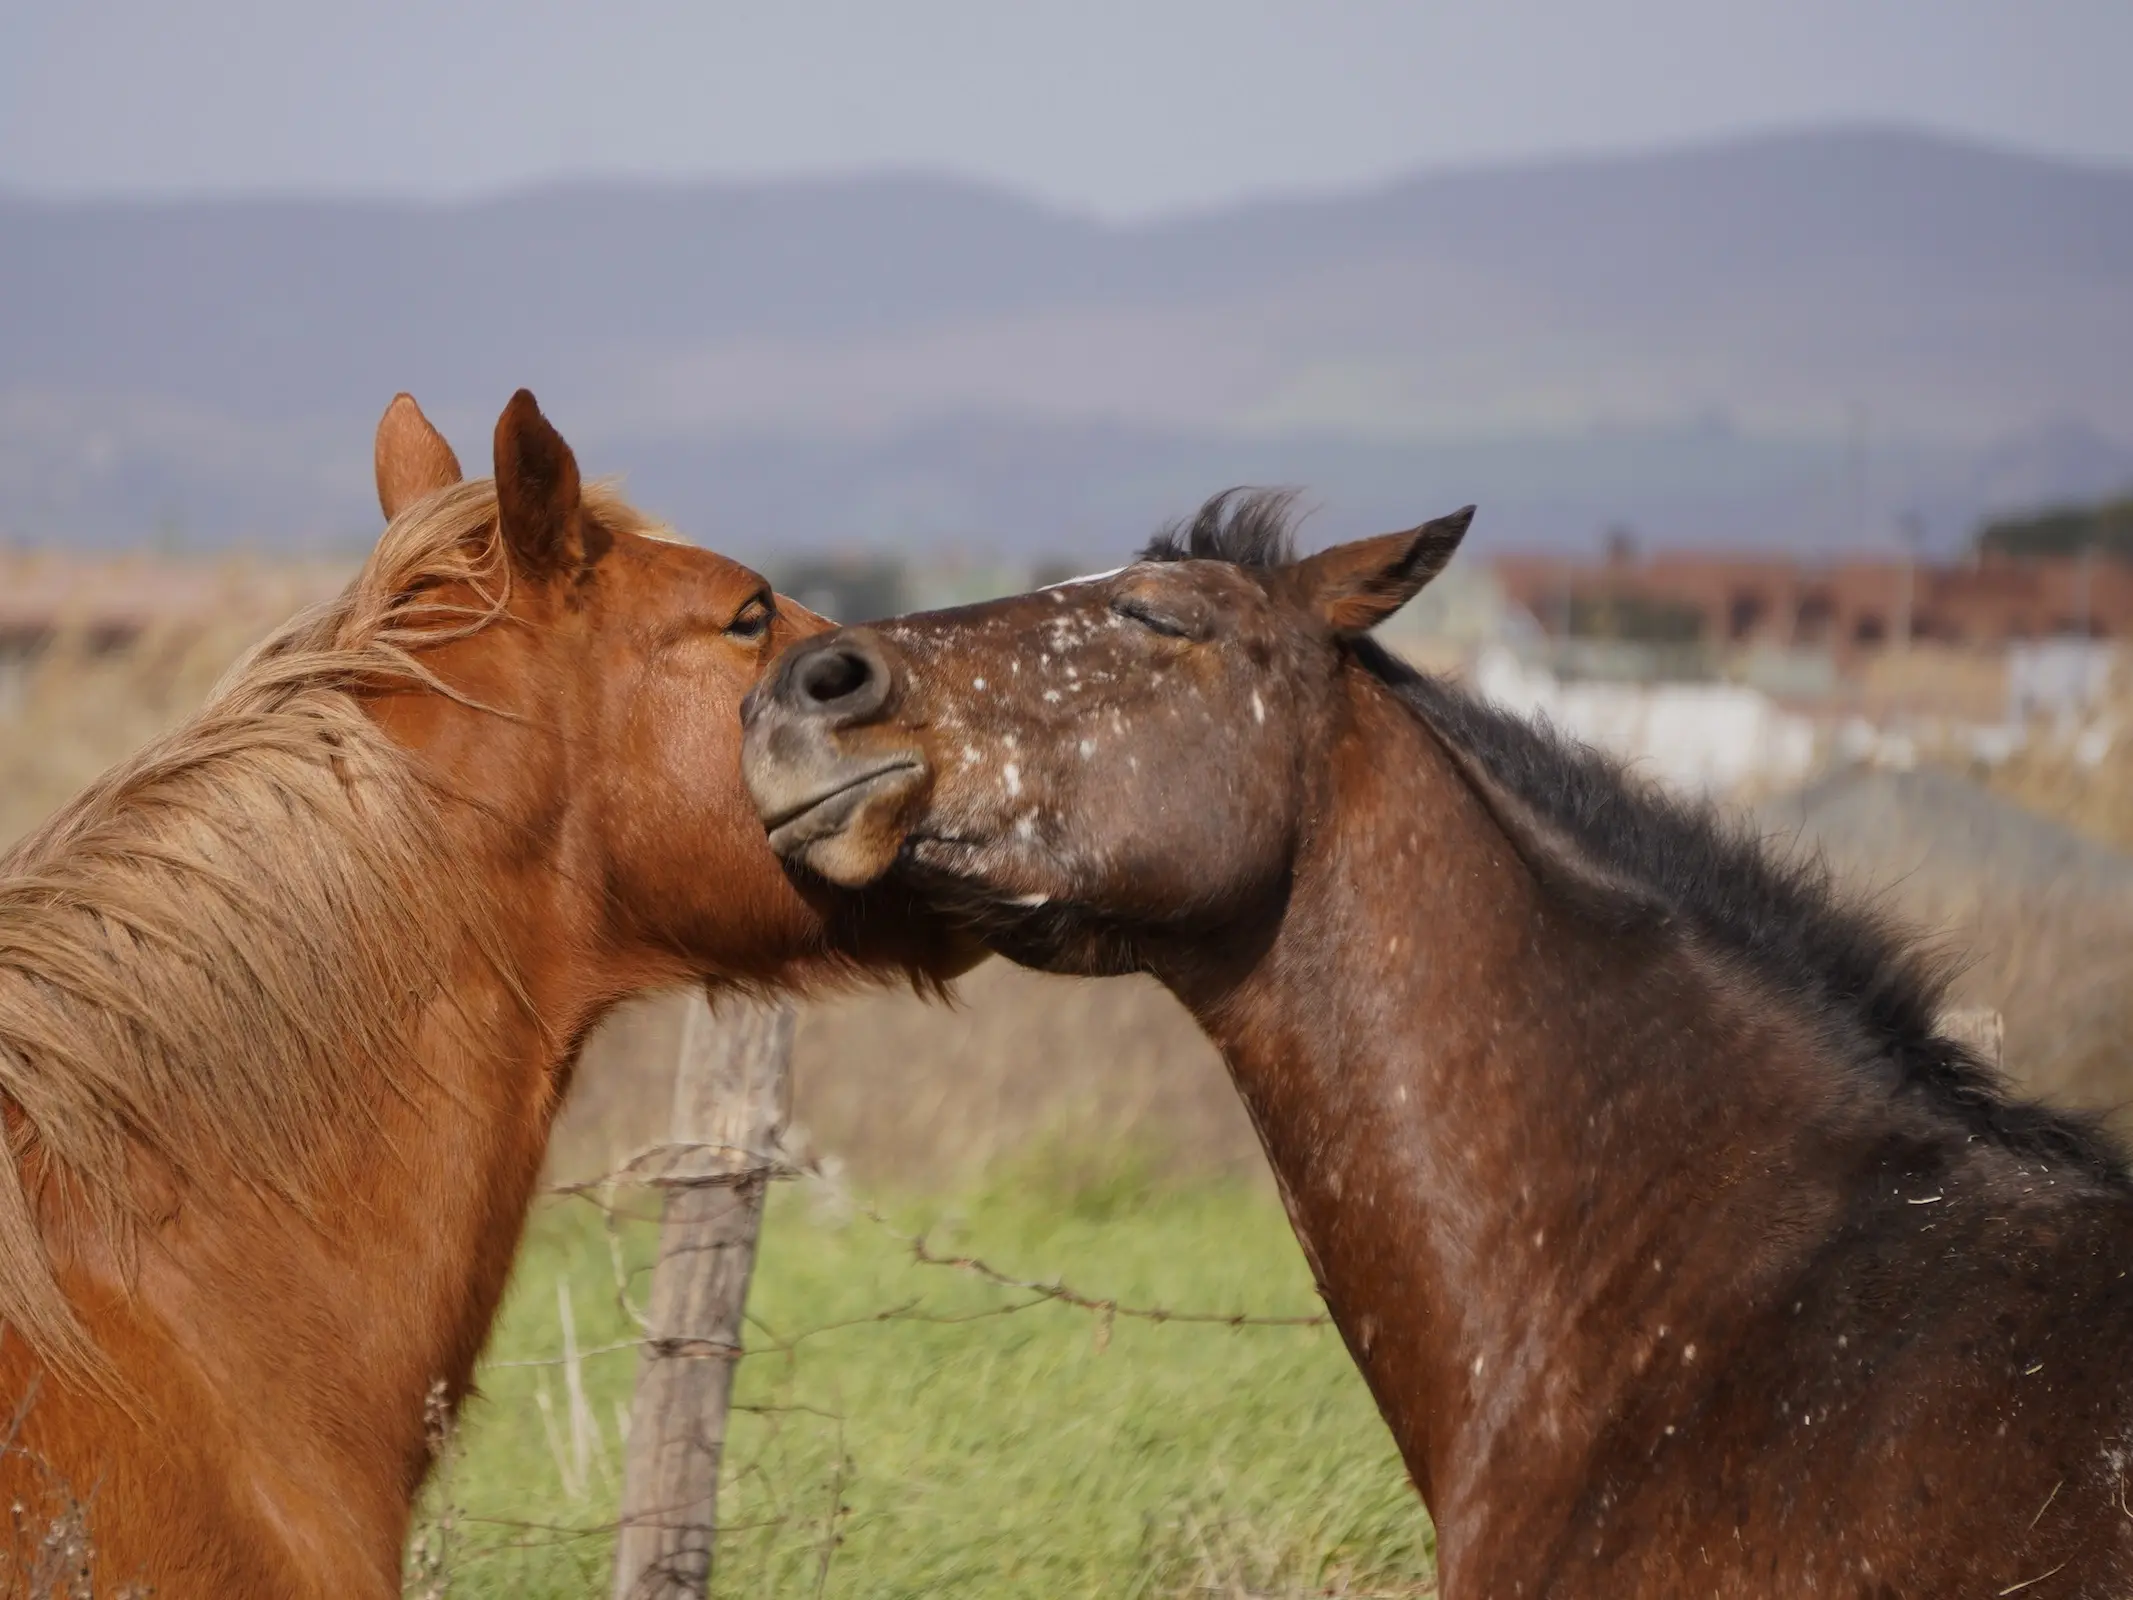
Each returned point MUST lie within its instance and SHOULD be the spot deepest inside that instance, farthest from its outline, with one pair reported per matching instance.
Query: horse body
(1680, 1252)
(288, 1005)
(1648, 1309)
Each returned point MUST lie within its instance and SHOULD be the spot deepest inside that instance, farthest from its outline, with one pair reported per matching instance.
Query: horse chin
(972, 882)
(1063, 943)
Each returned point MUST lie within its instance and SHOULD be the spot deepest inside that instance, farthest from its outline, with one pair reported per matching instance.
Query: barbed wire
(682, 1166)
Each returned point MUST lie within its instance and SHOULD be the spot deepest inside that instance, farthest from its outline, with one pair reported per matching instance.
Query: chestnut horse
(1681, 1252)
(288, 1003)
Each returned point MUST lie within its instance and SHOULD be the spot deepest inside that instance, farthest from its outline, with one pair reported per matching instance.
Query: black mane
(1782, 917)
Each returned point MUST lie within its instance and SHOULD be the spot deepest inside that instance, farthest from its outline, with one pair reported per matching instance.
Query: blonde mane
(219, 950)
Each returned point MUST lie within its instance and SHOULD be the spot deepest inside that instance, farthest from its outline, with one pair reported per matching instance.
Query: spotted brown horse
(1681, 1251)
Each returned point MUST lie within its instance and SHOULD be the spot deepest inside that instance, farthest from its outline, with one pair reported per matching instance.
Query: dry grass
(2056, 963)
(2093, 797)
(900, 1092)
(2059, 959)
(904, 1093)
(80, 705)
(1932, 681)
(77, 710)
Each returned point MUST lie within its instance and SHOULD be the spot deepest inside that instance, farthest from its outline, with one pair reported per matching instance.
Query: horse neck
(383, 1299)
(1495, 1126)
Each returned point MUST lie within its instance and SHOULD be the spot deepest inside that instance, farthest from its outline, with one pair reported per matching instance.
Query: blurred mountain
(1790, 338)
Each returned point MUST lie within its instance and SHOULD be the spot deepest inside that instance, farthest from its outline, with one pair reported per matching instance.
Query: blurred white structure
(2057, 677)
(1698, 737)
(1464, 608)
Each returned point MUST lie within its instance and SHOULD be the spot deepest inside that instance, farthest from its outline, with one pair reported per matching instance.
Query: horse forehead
(665, 577)
(693, 562)
(1071, 640)
(998, 629)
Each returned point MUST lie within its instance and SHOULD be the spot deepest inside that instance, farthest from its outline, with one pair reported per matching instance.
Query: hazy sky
(1122, 106)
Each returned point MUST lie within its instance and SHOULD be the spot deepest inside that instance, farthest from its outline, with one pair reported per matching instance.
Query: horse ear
(1354, 587)
(410, 457)
(538, 503)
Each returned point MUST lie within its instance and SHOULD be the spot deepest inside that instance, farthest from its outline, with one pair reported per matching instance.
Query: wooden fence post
(731, 1097)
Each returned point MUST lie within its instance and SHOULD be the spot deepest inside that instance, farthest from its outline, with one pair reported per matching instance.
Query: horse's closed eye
(1153, 618)
(752, 621)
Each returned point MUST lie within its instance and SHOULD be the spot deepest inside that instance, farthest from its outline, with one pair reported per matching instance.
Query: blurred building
(1844, 609)
(1705, 738)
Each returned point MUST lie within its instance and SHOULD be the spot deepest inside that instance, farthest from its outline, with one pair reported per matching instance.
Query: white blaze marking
(1087, 577)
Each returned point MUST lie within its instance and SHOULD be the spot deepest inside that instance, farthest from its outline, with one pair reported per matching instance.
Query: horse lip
(788, 826)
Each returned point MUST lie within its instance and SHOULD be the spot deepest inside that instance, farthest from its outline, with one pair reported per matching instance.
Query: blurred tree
(2063, 531)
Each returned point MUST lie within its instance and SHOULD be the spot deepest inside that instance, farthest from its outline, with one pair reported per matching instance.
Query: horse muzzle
(833, 783)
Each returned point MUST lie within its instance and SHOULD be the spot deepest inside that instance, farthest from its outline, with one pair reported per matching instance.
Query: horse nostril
(843, 679)
(831, 676)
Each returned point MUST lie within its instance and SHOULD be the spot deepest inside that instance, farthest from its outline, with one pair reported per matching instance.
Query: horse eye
(1150, 618)
(752, 621)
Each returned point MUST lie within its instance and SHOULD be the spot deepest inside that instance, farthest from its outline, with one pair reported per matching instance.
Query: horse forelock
(217, 954)
(1245, 526)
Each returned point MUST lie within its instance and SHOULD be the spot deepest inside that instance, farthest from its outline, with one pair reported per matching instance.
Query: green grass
(1031, 1452)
